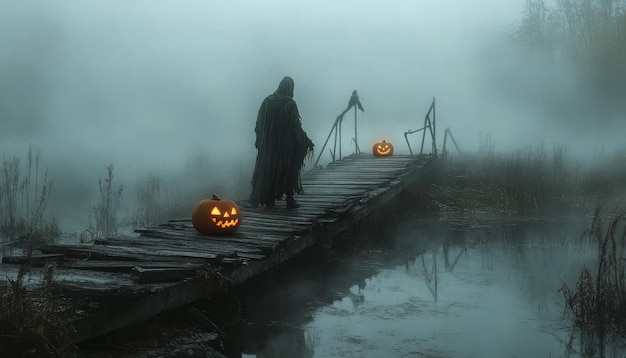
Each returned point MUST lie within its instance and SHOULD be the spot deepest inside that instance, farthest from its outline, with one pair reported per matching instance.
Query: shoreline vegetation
(536, 183)
(529, 181)
(598, 299)
(24, 195)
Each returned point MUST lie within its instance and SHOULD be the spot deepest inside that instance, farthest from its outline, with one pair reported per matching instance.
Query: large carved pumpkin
(382, 149)
(216, 216)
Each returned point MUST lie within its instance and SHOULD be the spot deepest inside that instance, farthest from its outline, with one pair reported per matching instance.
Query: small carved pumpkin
(216, 216)
(383, 149)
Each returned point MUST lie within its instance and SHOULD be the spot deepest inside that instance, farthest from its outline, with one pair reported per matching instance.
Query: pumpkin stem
(215, 197)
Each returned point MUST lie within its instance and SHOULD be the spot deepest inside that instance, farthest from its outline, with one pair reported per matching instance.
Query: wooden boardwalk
(121, 280)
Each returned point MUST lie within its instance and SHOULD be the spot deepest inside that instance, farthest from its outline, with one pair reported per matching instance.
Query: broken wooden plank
(127, 266)
(33, 260)
(162, 274)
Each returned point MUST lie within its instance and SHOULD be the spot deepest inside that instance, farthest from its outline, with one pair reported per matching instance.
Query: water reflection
(451, 287)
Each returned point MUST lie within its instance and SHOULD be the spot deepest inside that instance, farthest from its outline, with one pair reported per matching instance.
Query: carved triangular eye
(233, 212)
(216, 211)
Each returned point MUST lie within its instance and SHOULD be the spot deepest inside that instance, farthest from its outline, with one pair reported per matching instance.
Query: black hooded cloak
(282, 146)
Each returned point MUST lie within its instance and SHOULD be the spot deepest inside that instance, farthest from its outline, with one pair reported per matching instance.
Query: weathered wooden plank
(347, 180)
(172, 250)
(237, 242)
(337, 185)
(267, 215)
(275, 223)
(190, 239)
(121, 253)
(365, 163)
(187, 232)
(170, 274)
(355, 173)
(369, 156)
(256, 213)
(267, 236)
(94, 282)
(344, 181)
(366, 172)
(33, 260)
(93, 252)
(281, 208)
(342, 191)
(263, 240)
(370, 170)
(127, 266)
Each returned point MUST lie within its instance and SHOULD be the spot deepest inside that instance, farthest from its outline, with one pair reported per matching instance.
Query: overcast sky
(150, 85)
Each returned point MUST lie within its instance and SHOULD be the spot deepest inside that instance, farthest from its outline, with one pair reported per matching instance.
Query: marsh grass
(24, 196)
(529, 180)
(599, 298)
(31, 322)
(536, 180)
(104, 220)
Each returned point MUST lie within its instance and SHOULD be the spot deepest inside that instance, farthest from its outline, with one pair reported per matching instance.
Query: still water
(442, 287)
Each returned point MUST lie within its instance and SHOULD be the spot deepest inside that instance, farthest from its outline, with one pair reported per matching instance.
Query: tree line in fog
(589, 33)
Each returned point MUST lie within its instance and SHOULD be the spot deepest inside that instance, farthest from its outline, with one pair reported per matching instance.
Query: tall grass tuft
(529, 180)
(32, 325)
(31, 320)
(24, 194)
(105, 213)
(599, 298)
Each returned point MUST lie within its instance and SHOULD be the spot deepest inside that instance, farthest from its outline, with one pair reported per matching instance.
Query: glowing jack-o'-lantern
(383, 149)
(216, 216)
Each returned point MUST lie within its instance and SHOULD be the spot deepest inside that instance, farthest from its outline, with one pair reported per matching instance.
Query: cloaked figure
(282, 146)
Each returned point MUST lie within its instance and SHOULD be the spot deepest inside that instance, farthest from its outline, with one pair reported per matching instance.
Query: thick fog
(174, 87)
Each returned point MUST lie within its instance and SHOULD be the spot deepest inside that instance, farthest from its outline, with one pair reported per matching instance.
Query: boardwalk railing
(336, 130)
(430, 125)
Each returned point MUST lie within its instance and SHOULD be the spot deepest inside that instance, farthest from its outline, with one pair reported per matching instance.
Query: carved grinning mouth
(226, 223)
(383, 150)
